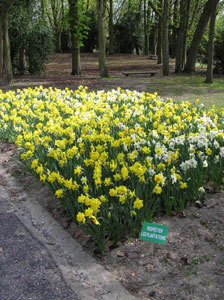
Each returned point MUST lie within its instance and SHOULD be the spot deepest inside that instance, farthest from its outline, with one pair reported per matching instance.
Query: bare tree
(159, 41)
(101, 8)
(5, 57)
(165, 41)
(174, 28)
(182, 35)
(146, 26)
(209, 73)
(111, 29)
(201, 26)
(75, 37)
(55, 14)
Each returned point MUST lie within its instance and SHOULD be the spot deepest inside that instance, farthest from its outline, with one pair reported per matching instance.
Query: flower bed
(115, 158)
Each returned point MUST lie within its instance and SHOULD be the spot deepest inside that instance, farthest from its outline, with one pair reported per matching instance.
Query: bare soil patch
(58, 73)
(190, 266)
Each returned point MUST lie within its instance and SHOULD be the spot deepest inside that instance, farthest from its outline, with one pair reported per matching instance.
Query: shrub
(219, 54)
(30, 38)
(39, 44)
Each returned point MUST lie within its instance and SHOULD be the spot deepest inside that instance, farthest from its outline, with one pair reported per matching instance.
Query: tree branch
(155, 9)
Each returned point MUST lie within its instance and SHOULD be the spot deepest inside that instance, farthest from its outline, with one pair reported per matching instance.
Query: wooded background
(184, 30)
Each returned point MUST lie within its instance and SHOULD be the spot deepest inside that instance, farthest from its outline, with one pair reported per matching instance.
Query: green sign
(154, 233)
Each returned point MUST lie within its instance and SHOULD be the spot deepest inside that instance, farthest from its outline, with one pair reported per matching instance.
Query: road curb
(82, 273)
(89, 279)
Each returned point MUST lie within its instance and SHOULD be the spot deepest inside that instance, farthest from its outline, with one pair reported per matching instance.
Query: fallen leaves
(121, 253)
(3, 182)
(210, 187)
(80, 233)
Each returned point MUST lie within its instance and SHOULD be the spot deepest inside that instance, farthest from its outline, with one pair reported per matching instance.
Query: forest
(188, 31)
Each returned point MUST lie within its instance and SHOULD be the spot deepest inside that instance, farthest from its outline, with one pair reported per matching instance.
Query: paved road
(27, 269)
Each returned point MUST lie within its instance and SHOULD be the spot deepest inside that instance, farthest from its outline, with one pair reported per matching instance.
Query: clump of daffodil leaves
(117, 158)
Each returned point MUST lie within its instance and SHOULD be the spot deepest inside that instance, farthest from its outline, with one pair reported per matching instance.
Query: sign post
(154, 233)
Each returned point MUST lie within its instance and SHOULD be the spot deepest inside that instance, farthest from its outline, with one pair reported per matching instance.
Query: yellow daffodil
(59, 193)
(81, 218)
(157, 190)
(138, 204)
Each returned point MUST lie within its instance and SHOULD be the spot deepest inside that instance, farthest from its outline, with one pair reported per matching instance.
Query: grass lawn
(190, 88)
(179, 87)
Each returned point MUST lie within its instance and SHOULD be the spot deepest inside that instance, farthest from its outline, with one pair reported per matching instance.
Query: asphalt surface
(27, 269)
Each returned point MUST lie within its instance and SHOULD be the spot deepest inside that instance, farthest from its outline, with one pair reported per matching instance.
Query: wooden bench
(139, 73)
(152, 56)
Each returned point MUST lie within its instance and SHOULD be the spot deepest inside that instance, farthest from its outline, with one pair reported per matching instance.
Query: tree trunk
(174, 30)
(5, 57)
(21, 66)
(194, 14)
(58, 40)
(159, 39)
(56, 17)
(193, 51)
(184, 53)
(6, 47)
(209, 73)
(138, 23)
(165, 42)
(155, 39)
(186, 28)
(146, 27)
(42, 7)
(180, 38)
(182, 35)
(101, 7)
(1, 45)
(74, 17)
(111, 29)
(148, 12)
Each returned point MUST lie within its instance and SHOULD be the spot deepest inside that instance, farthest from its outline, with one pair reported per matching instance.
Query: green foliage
(38, 46)
(19, 17)
(65, 32)
(83, 23)
(128, 28)
(76, 21)
(204, 46)
(219, 46)
(90, 41)
(128, 34)
(30, 38)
